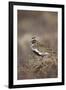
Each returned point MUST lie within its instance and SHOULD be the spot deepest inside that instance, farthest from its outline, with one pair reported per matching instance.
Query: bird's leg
(42, 62)
(41, 58)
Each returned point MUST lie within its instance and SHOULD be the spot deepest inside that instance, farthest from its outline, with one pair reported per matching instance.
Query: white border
(34, 81)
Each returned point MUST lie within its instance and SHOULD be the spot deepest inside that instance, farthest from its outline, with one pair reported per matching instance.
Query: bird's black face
(33, 41)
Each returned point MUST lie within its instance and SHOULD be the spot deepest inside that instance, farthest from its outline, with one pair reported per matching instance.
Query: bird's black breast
(33, 41)
(36, 53)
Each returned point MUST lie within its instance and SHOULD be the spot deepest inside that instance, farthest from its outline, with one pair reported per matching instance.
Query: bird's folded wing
(37, 51)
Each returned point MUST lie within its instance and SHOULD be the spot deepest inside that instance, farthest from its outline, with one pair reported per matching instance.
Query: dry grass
(38, 67)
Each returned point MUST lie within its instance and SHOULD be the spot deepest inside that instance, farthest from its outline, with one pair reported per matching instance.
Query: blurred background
(43, 25)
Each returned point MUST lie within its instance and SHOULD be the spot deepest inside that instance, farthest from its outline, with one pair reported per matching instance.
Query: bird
(34, 48)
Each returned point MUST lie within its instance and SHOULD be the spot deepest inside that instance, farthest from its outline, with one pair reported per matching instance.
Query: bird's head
(34, 40)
